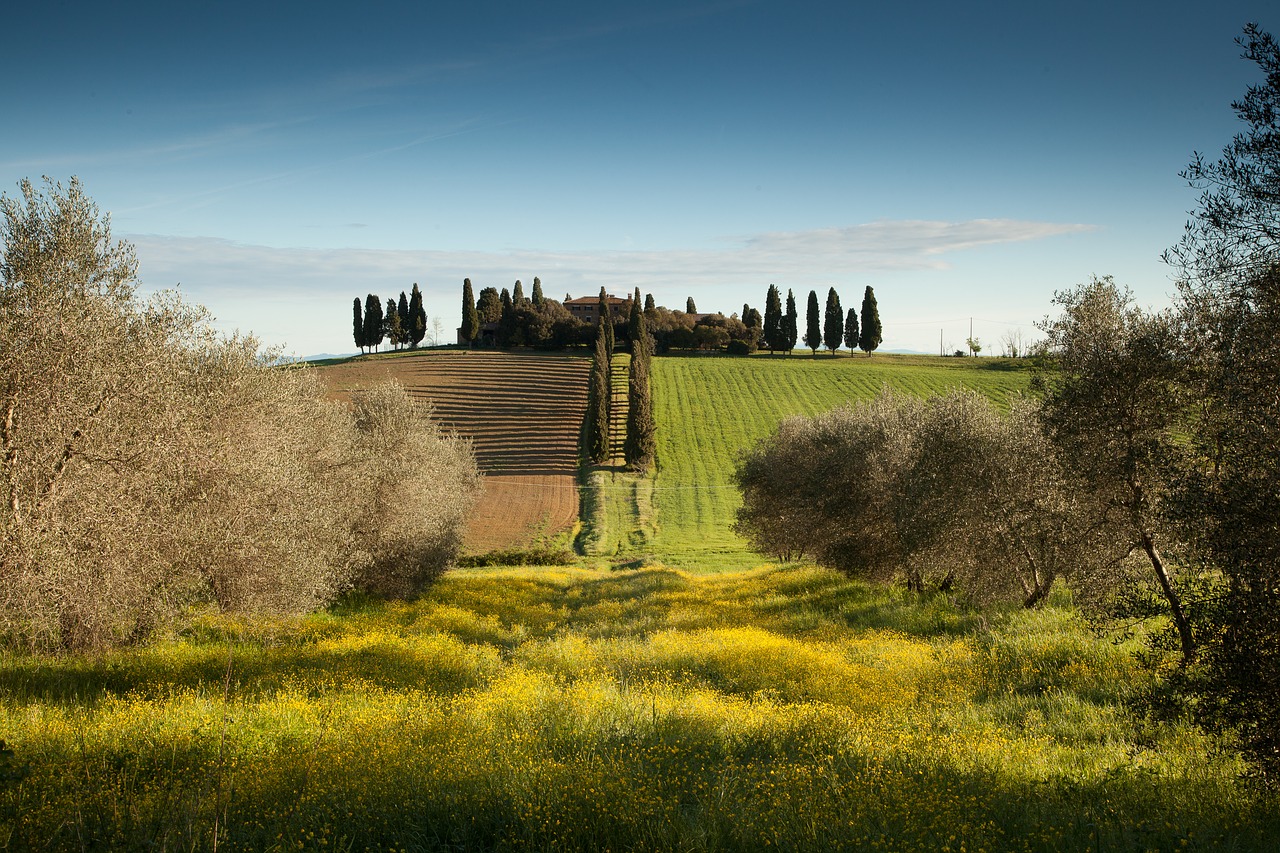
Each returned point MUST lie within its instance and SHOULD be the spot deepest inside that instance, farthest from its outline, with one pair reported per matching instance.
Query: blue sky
(965, 160)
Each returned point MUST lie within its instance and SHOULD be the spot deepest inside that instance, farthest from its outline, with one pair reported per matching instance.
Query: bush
(150, 466)
(941, 492)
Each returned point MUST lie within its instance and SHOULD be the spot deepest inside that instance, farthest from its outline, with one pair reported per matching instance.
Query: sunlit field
(581, 709)
(709, 409)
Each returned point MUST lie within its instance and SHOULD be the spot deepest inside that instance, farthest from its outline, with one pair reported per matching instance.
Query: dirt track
(522, 412)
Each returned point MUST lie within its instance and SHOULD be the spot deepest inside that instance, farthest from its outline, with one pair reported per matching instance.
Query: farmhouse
(585, 308)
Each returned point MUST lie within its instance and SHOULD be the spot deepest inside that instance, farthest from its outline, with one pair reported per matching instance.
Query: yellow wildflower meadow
(585, 709)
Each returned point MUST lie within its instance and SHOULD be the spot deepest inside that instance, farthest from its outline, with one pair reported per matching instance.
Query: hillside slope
(522, 411)
(710, 409)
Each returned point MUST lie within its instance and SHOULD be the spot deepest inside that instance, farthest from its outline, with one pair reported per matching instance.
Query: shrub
(150, 466)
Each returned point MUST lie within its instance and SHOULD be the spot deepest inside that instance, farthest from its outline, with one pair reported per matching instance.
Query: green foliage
(357, 324)
(373, 321)
(537, 296)
(813, 324)
(774, 338)
(790, 324)
(418, 316)
(598, 400)
(851, 330)
(943, 492)
(605, 321)
(1225, 500)
(689, 307)
(871, 335)
(833, 321)
(640, 442)
(391, 325)
(488, 304)
(1111, 408)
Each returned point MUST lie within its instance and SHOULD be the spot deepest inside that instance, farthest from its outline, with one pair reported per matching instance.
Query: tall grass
(710, 409)
(595, 710)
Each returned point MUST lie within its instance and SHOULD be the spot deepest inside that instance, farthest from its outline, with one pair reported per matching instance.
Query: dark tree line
(401, 323)
(828, 328)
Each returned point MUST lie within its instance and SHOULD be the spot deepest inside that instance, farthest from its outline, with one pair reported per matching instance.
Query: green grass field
(584, 709)
(709, 409)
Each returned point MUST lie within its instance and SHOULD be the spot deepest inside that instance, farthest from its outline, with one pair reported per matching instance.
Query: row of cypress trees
(640, 441)
(641, 431)
(830, 328)
(401, 323)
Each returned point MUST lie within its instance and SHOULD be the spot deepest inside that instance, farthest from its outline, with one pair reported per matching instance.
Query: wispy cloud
(235, 279)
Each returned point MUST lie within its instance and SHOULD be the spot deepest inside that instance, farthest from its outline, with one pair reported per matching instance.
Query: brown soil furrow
(522, 413)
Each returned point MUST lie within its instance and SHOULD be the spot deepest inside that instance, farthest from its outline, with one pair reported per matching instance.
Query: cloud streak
(233, 279)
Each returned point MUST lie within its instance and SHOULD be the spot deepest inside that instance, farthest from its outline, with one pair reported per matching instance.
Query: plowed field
(522, 412)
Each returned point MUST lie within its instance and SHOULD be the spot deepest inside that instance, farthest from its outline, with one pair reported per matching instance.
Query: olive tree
(149, 466)
(946, 492)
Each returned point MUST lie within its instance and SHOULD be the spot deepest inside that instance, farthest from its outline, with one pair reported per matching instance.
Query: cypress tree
(640, 442)
(599, 394)
(357, 324)
(790, 321)
(689, 307)
(537, 296)
(372, 321)
(649, 305)
(507, 320)
(418, 317)
(391, 324)
(870, 337)
(851, 330)
(636, 324)
(517, 293)
(406, 322)
(470, 315)
(812, 325)
(773, 319)
(833, 322)
(606, 322)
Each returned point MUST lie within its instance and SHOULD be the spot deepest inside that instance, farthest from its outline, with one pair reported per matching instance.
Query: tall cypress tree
(507, 322)
(833, 322)
(649, 305)
(517, 293)
(689, 307)
(640, 442)
(606, 322)
(470, 316)
(812, 325)
(851, 330)
(537, 296)
(372, 321)
(391, 324)
(406, 322)
(870, 337)
(598, 398)
(636, 324)
(357, 324)
(417, 318)
(773, 337)
(790, 323)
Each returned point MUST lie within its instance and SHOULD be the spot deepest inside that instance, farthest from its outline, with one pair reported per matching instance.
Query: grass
(586, 709)
(709, 409)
